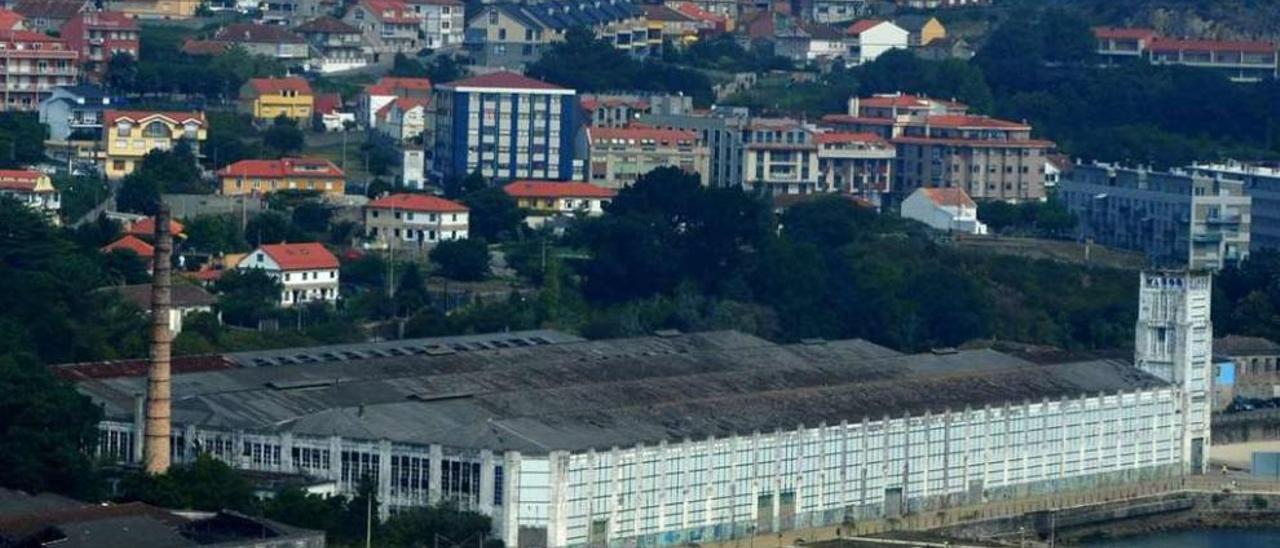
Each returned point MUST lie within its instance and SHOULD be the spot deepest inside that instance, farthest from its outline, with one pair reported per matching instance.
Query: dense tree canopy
(586, 63)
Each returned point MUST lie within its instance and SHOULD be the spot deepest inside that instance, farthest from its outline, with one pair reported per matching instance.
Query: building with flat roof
(620, 156)
(720, 130)
(1262, 184)
(1177, 218)
(860, 164)
(1242, 61)
(35, 64)
(689, 438)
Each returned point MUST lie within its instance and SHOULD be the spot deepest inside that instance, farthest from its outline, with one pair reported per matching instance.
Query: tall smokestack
(158, 398)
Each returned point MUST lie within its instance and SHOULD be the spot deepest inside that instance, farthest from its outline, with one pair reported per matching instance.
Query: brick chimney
(158, 423)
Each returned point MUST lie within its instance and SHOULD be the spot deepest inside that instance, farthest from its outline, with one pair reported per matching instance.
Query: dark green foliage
(47, 429)
(723, 53)
(459, 187)
(283, 138)
(247, 296)
(226, 142)
(214, 234)
(80, 195)
(1047, 219)
(463, 260)
(207, 484)
(494, 215)
(442, 68)
(271, 227)
(160, 172)
(1247, 296)
(586, 63)
(22, 139)
(411, 290)
(312, 217)
(368, 271)
(123, 266)
(163, 69)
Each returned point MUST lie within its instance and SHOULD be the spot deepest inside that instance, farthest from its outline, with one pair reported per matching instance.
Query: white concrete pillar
(335, 460)
(383, 449)
(485, 500)
(286, 453)
(436, 457)
(509, 528)
(557, 510)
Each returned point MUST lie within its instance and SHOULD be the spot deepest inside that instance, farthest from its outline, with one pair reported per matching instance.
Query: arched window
(156, 129)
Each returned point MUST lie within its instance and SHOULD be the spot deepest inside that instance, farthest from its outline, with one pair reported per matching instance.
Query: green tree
(495, 215)
(207, 484)
(247, 296)
(123, 266)
(47, 430)
(463, 260)
(214, 234)
(312, 217)
(22, 138)
(161, 171)
(411, 290)
(270, 227)
(122, 73)
(283, 138)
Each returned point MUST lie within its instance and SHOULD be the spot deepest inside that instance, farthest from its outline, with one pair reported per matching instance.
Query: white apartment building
(307, 272)
(443, 24)
(780, 157)
(871, 38)
(414, 220)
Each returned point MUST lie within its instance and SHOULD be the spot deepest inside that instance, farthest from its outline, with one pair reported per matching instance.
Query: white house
(403, 118)
(872, 37)
(948, 209)
(308, 271)
(413, 168)
(184, 300)
(812, 42)
(32, 188)
(415, 220)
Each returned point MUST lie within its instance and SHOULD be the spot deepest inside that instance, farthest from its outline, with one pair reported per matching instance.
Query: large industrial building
(677, 438)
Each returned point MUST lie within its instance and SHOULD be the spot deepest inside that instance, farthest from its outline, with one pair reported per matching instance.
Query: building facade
(130, 135)
(546, 200)
(1262, 184)
(871, 38)
(389, 27)
(414, 220)
(619, 156)
(338, 46)
(35, 64)
(989, 159)
(1242, 61)
(34, 189)
(945, 209)
(99, 36)
(307, 272)
(513, 34)
(74, 113)
(721, 131)
(1177, 218)
(505, 126)
(443, 23)
(267, 176)
(780, 157)
(269, 98)
(860, 164)
(1256, 364)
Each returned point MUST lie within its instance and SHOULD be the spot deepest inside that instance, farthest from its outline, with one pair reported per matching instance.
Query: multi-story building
(870, 38)
(721, 131)
(673, 26)
(74, 116)
(888, 114)
(922, 29)
(48, 16)
(130, 135)
(813, 43)
(34, 65)
(837, 11)
(547, 200)
(989, 159)
(443, 23)
(99, 36)
(384, 91)
(780, 157)
(1177, 218)
(622, 110)
(1262, 184)
(269, 98)
(266, 176)
(1242, 61)
(860, 164)
(338, 46)
(511, 35)
(32, 188)
(714, 437)
(275, 41)
(414, 220)
(505, 126)
(403, 119)
(389, 27)
(155, 9)
(307, 272)
(619, 156)
(292, 12)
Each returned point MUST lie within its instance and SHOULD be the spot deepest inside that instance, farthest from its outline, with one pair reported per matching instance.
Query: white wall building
(415, 220)
(307, 271)
(873, 37)
(946, 209)
(443, 24)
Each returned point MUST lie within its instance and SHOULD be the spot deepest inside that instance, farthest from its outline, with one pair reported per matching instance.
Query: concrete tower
(159, 400)
(1174, 341)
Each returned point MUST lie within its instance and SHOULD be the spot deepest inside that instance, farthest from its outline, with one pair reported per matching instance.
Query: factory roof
(582, 395)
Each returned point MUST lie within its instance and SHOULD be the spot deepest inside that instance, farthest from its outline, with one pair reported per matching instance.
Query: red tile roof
(51, 9)
(28, 36)
(107, 20)
(948, 197)
(905, 100)
(847, 119)
(137, 116)
(1122, 33)
(410, 84)
(988, 143)
(204, 47)
(501, 79)
(663, 136)
(864, 25)
(284, 167)
(592, 103)
(304, 256)
(1173, 44)
(327, 102)
(971, 120)
(131, 243)
(146, 227)
(849, 137)
(10, 20)
(19, 179)
(663, 13)
(275, 85)
(556, 189)
(259, 34)
(692, 10)
(418, 202)
(391, 11)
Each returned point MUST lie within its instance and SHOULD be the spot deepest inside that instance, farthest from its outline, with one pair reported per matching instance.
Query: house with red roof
(619, 156)
(870, 38)
(1240, 60)
(414, 220)
(945, 209)
(133, 244)
(404, 119)
(267, 176)
(145, 228)
(32, 188)
(99, 36)
(47, 16)
(269, 98)
(388, 26)
(544, 200)
(307, 272)
(35, 65)
(387, 89)
(275, 41)
(11, 20)
(338, 45)
(131, 134)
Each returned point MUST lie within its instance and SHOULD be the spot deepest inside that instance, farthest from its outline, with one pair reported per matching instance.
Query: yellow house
(132, 134)
(268, 98)
(921, 29)
(157, 9)
(266, 176)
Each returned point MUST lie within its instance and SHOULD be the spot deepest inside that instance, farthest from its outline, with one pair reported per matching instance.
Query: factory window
(358, 467)
(312, 459)
(497, 485)
(459, 479)
(410, 475)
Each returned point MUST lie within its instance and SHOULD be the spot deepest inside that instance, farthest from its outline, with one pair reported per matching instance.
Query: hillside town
(569, 273)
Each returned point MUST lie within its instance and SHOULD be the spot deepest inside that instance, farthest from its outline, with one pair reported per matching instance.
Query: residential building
(11, 20)
(724, 9)
(414, 220)
(338, 46)
(413, 168)
(130, 135)
(266, 176)
(945, 209)
(132, 244)
(1242, 61)
(184, 300)
(941, 49)
(859, 164)
(710, 22)
(1262, 184)
(940, 4)
(99, 36)
(888, 114)
(813, 43)
(307, 272)
(613, 110)
(443, 24)
(35, 64)
(145, 228)
(511, 35)
(387, 89)
(269, 98)
(781, 157)
(506, 126)
(1177, 218)
(291, 12)
(32, 188)
(48, 16)
(1257, 364)
(403, 119)
(74, 113)
(922, 29)
(676, 27)
(155, 9)
(273, 41)
(330, 113)
(838, 11)
(870, 38)
(619, 156)
(389, 27)
(721, 131)
(822, 433)
(547, 200)
(989, 159)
